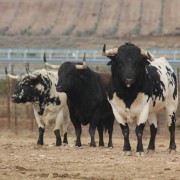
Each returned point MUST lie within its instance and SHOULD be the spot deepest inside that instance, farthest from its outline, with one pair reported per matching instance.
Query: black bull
(87, 100)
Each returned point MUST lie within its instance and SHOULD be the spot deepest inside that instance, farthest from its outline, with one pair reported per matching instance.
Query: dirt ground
(21, 158)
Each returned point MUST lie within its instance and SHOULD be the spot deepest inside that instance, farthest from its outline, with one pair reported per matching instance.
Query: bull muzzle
(128, 82)
(59, 88)
(15, 99)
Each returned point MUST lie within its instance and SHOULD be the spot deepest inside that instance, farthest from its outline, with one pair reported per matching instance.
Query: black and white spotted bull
(39, 88)
(140, 87)
(87, 99)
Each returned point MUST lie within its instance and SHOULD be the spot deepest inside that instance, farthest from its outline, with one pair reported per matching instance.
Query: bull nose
(14, 99)
(128, 82)
(59, 88)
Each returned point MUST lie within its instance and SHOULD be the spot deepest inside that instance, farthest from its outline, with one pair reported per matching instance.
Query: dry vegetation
(88, 24)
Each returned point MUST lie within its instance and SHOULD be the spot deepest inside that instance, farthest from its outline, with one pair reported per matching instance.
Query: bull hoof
(41, 143)
(78, 144)
(110, 145)
(92, 144)
(58, 143)
(150, 151)
(65, 144)
(172, 151)
(101, 144)
(140, 154)
(172, 146)
(126, 153)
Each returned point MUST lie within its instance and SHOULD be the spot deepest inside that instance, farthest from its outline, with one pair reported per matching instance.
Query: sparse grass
(4, 30)
(2, 87)
(111, 31)
(87, 32)
(159, 29)
(69, 30)
(136, 30)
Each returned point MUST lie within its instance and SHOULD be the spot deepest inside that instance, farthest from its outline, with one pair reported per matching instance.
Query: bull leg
(78, 131)
(125, 132)
(58, 137)
(65, 140)
(172, 145)
(66, 125)
(153, 132)
(152, 119)
(78, 136)
(110, 131)
(100, 131)
(139, 134)
(92, 129)
(41, 135)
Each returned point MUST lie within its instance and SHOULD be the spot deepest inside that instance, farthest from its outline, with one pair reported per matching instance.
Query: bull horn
(10, 75)
(109, 52)
(31, 76)
(84, 65)
(52, 66)
(147, 54)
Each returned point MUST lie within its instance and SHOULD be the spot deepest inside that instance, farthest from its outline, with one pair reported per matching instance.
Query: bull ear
(10, 75)
(52, 66)
(82, 77)
(31, 76)
(109, 52)
(109, 63)
(112, 61)
(150, 57)
(146, 55)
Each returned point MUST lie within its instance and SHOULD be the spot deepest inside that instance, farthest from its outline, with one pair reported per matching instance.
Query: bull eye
(120, 64)
(69, 75)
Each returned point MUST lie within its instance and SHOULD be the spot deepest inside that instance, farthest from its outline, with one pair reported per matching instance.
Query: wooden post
(32, 119)
(8, 101)
(14, 104)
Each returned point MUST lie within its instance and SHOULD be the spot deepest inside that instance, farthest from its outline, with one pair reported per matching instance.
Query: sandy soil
(21, 158)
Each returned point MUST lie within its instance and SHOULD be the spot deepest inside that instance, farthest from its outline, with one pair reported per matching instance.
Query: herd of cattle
(138, 87)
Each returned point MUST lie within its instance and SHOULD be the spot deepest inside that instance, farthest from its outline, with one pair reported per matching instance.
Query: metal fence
(61, 55)
(58, 56)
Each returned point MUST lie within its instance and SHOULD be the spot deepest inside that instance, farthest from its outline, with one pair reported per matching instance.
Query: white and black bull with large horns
(86, 98)
(140, 87)
(39, 88)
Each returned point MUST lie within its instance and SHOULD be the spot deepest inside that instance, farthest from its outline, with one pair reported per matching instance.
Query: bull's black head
(28, 88)
(70, 78)
(127, 64)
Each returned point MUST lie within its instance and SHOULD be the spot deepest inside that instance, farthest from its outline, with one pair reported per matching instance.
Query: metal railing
(62, 55)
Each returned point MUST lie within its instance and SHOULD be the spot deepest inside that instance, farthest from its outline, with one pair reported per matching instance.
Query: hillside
(92, 20)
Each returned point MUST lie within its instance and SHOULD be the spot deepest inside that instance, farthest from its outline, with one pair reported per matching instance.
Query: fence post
(8, 101)
(14, 104)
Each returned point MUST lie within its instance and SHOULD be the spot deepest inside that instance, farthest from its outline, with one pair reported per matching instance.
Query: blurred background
(65, 29)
